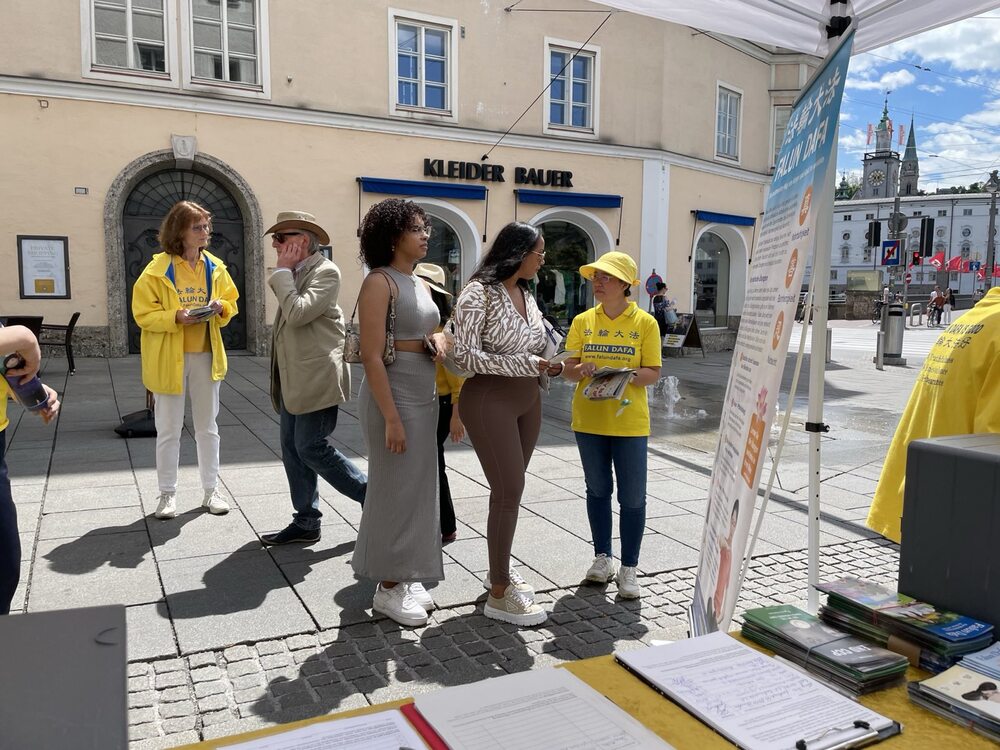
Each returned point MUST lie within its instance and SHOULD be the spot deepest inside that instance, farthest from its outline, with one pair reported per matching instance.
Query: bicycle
(877, 305)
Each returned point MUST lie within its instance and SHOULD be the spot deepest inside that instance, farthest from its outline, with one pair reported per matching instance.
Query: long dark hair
(384, 223)
(509, 247)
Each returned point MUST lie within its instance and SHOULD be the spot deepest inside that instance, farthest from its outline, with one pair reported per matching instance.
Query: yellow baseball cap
(616, 264)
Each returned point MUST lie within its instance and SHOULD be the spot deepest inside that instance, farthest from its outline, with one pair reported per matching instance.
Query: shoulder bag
(352, 337)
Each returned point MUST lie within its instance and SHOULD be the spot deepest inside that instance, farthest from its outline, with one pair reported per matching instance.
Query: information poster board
(803, 181)
(43, 267)
(683, 332)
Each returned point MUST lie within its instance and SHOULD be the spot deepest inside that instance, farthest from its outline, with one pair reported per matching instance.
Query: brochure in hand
(823, 650)
(608, 382)
(963, 696)
(201, 313)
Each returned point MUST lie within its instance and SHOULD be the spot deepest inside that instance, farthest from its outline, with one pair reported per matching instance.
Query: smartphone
(429, 343)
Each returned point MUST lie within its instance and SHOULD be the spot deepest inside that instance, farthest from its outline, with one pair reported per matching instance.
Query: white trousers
(169, 412)
(946, 316)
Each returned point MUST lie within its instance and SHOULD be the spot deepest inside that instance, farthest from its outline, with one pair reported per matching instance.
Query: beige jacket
(307, 341)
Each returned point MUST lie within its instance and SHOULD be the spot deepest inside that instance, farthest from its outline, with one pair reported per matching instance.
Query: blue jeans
(10, 542)
(307, 451)
(628, 457)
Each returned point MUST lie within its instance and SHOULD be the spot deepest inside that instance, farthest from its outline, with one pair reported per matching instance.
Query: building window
(867, 253)
(918, 213)
(782, 114)
(129, 34)
(845, 254)
(966, 250)
(727, 124)
(571, 94)
(942, 212)
(423, 66)
(869, 217)
(847, 217)
(966, 212)
(833, 274)
(224, 41)
(846, 235)
(966, 232)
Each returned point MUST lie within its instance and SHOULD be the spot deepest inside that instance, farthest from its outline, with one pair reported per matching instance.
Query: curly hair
(383, 225)
(505, 255)
(178, 220)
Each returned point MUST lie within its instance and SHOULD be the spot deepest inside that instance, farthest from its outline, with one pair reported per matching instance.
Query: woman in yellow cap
(613, 433)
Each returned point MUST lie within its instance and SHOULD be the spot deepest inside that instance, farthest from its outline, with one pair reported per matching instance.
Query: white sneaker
(420, 595)
(602, 570)
(516, 580)
(215, 503)
(167, 507)
(628, 585)
(397, 604)
(515, 608)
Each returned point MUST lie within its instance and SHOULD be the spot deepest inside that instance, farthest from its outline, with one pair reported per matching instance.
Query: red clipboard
(424, 729)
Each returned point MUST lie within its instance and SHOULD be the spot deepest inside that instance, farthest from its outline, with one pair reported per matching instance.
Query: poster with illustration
(803, 180)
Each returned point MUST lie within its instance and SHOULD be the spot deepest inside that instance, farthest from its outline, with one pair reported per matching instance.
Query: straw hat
(433, 275)
(299, 220)
(616, 264)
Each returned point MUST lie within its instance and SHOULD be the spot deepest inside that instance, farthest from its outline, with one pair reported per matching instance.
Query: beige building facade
(647, 137)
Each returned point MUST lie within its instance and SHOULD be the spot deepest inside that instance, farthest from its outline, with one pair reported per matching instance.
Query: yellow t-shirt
(956, 393)
(191, 288)
(630, 340)
(4, 395)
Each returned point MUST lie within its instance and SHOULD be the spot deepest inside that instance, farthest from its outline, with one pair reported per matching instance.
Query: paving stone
(203, 689)
(178, 724)
(237, 653)
(202, 660)
(301, 641)
(171, 679)
(241, 668)
(141, 715)
(205, 674)
(210, 717)
(168, 665)
(142, 732)
(174, 710)
(275, 660)
(143, 699)
(212, 703)
(248, 681)
(174, 694)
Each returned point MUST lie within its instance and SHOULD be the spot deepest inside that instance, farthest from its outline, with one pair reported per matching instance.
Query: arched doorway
(444, 248)
(711, 281)
(144, 210)
(560, 290)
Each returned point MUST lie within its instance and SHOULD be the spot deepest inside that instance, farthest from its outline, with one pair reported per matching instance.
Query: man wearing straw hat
(308, 376)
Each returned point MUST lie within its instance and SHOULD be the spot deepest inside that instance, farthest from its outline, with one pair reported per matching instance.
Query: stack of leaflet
(963, 696)
(828, 653)
(608, 382)
(880, 614)
(985, 662)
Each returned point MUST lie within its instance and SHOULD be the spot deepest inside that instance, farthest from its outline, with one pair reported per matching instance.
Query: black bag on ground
(139, 423)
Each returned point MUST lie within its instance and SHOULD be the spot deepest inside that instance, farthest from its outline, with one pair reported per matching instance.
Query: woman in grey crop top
(399, 540)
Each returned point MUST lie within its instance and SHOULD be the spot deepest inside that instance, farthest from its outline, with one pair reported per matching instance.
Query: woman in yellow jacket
(181, 301)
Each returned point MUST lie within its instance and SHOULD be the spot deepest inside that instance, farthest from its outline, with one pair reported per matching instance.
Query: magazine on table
(963, 696)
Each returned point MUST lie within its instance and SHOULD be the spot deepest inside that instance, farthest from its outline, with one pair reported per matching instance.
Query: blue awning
(565, 198)
(423, 189)
(742, 221)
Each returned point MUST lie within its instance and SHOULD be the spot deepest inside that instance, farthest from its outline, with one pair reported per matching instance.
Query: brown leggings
(503, 417)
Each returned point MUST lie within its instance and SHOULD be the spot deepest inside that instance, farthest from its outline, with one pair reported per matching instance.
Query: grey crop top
(416, 314)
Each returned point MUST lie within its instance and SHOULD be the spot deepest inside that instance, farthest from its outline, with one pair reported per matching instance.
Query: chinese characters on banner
(803, 180)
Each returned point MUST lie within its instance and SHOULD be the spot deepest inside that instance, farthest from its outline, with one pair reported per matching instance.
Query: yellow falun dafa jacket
(155, 303)
(957, 393)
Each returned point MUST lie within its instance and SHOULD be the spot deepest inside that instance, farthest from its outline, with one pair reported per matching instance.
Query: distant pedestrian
(181, 301)
(21, 341)
(500, 336)
(612, 435)
(449, 387)
(949, 304)
(935, 306)
(399, 540)
(309, 379)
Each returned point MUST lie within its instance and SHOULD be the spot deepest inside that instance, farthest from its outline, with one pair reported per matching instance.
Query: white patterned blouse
(491, 337)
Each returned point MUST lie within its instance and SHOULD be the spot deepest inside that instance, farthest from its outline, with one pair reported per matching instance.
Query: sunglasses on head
(282, 236)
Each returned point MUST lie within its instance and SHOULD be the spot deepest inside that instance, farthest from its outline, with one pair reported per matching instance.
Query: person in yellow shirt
(181, 301)
(956, 393)
(613, 433)
(449, 386)
(19, 340)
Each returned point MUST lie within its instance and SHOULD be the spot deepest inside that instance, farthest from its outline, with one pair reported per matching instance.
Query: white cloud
(895, 79)
(970, 45)
(935, 89)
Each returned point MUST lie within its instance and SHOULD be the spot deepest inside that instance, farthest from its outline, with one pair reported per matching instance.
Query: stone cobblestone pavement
(225, 636)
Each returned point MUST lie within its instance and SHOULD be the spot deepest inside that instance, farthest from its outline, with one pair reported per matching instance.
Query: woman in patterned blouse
(499, 336)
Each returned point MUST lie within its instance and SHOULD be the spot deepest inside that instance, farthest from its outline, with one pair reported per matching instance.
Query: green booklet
(815, 640)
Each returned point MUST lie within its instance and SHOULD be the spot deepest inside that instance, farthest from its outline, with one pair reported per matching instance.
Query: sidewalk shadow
(98, 547)
(593, 622)
(228, 589)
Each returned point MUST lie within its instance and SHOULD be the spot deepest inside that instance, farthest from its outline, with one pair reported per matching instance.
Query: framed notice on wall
(43, 266)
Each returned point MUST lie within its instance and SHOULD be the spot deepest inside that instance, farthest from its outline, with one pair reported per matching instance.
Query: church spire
(911, 145)
(909, 173)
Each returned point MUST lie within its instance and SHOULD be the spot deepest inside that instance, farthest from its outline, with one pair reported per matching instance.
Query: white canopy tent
(801, 25)
(813, 27)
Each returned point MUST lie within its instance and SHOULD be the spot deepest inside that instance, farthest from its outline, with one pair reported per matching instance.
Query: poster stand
(684, 333)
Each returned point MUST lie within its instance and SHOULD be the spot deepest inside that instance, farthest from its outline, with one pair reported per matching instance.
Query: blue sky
(948, 79)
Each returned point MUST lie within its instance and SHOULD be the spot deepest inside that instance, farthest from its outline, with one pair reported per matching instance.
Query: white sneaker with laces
(420, 595)
(628, 584)
(215, 503)
(397, 604)
(515, 608)
(516, 580)
(602, 570)
(167, 505)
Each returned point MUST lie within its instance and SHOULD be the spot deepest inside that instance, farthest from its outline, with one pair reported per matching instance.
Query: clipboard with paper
(753, 700)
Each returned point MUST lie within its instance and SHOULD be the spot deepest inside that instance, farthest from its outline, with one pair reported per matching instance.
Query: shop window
(445, 249)
(423, 64)
(571, 96)
(559, 289)
(727, 124)
(711, 284)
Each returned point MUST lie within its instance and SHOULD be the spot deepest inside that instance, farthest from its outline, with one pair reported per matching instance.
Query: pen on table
(826, 683)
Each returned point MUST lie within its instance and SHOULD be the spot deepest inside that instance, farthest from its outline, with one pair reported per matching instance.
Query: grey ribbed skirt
(400, 534)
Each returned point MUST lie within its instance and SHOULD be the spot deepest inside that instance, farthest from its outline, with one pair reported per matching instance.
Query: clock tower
(881, 166)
